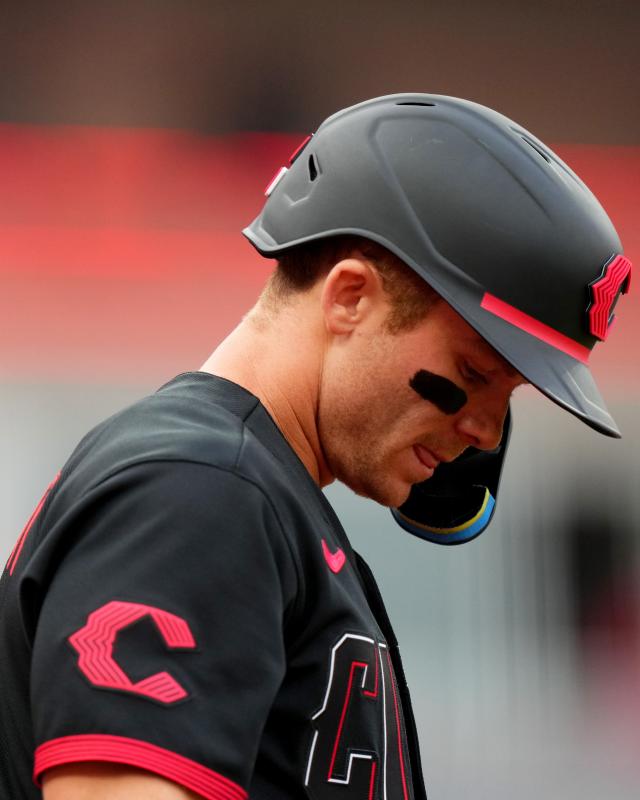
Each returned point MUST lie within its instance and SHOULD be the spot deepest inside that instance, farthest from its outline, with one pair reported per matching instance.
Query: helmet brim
(562, 378)
(558, 375)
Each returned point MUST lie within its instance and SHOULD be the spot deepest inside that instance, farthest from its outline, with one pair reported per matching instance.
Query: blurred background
(136, 139)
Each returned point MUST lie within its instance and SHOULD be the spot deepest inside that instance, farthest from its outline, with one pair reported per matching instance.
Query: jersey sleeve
(160, 641)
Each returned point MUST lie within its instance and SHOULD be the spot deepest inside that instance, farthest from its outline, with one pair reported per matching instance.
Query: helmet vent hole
(535, 147)
(313, 169)
(413, 103)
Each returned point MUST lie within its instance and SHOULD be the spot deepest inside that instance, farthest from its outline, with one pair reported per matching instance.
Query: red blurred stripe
(94, 177)
(121, 253)
(125, 254)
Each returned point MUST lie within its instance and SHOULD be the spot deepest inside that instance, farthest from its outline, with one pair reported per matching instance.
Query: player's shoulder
(195, 418)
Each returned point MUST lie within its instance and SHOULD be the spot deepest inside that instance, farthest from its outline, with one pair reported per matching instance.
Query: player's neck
(278, 363)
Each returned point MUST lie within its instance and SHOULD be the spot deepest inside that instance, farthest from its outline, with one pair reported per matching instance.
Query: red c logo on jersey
(95, 641)
(605, 291)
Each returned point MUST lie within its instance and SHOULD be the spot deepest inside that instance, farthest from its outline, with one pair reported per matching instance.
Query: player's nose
(481, 428)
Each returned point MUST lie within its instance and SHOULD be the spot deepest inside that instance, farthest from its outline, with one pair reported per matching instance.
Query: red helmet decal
(283, 170)
(299, 148)
(614, 280)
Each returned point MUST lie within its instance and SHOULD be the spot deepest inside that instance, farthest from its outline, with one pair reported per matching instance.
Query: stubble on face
(368, 422)
(356, 457)
(384, 393)
(347, 408)
(369, 448)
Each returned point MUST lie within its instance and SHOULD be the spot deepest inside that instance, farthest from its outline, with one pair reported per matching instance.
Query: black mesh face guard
(457, 503)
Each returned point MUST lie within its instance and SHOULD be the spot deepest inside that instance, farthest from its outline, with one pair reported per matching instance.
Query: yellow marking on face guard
(457, 528)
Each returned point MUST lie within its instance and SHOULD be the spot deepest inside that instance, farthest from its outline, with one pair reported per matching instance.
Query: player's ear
(351, 292)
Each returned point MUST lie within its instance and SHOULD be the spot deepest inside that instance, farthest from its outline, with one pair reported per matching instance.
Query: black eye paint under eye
(443, 393)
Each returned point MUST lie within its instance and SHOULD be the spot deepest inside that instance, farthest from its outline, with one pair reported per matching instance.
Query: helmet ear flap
(457, 503)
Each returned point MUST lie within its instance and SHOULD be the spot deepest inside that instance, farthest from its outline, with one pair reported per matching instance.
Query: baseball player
(183, 615)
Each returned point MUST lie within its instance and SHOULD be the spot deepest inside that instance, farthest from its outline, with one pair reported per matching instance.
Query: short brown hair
(299, 268)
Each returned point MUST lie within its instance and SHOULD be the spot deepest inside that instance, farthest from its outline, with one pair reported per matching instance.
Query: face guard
(457, 503)
(496, 223)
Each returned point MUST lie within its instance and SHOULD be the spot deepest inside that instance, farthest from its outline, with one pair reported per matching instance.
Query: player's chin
(389, 489)
(398, 485)
(386, 481)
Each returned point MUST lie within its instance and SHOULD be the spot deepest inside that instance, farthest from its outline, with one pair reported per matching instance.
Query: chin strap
(457, 503)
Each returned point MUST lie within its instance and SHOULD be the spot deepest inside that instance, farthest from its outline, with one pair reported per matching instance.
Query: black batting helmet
(495, 222)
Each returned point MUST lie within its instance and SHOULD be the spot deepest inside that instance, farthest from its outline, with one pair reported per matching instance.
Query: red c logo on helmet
(605, 291)
(95, 641)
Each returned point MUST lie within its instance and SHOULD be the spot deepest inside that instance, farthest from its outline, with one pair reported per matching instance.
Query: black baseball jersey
(184, 600)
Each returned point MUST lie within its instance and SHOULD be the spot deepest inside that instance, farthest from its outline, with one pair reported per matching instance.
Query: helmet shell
(481, 209)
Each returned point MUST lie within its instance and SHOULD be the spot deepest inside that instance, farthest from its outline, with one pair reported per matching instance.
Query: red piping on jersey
(395, 705)
(534, 327)
(372, 782)
(135, 753)
(15, 553)
(374, 693)
(354, 664)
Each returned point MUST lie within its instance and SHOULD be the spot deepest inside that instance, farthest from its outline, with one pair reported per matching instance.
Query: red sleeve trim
(135, 753)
